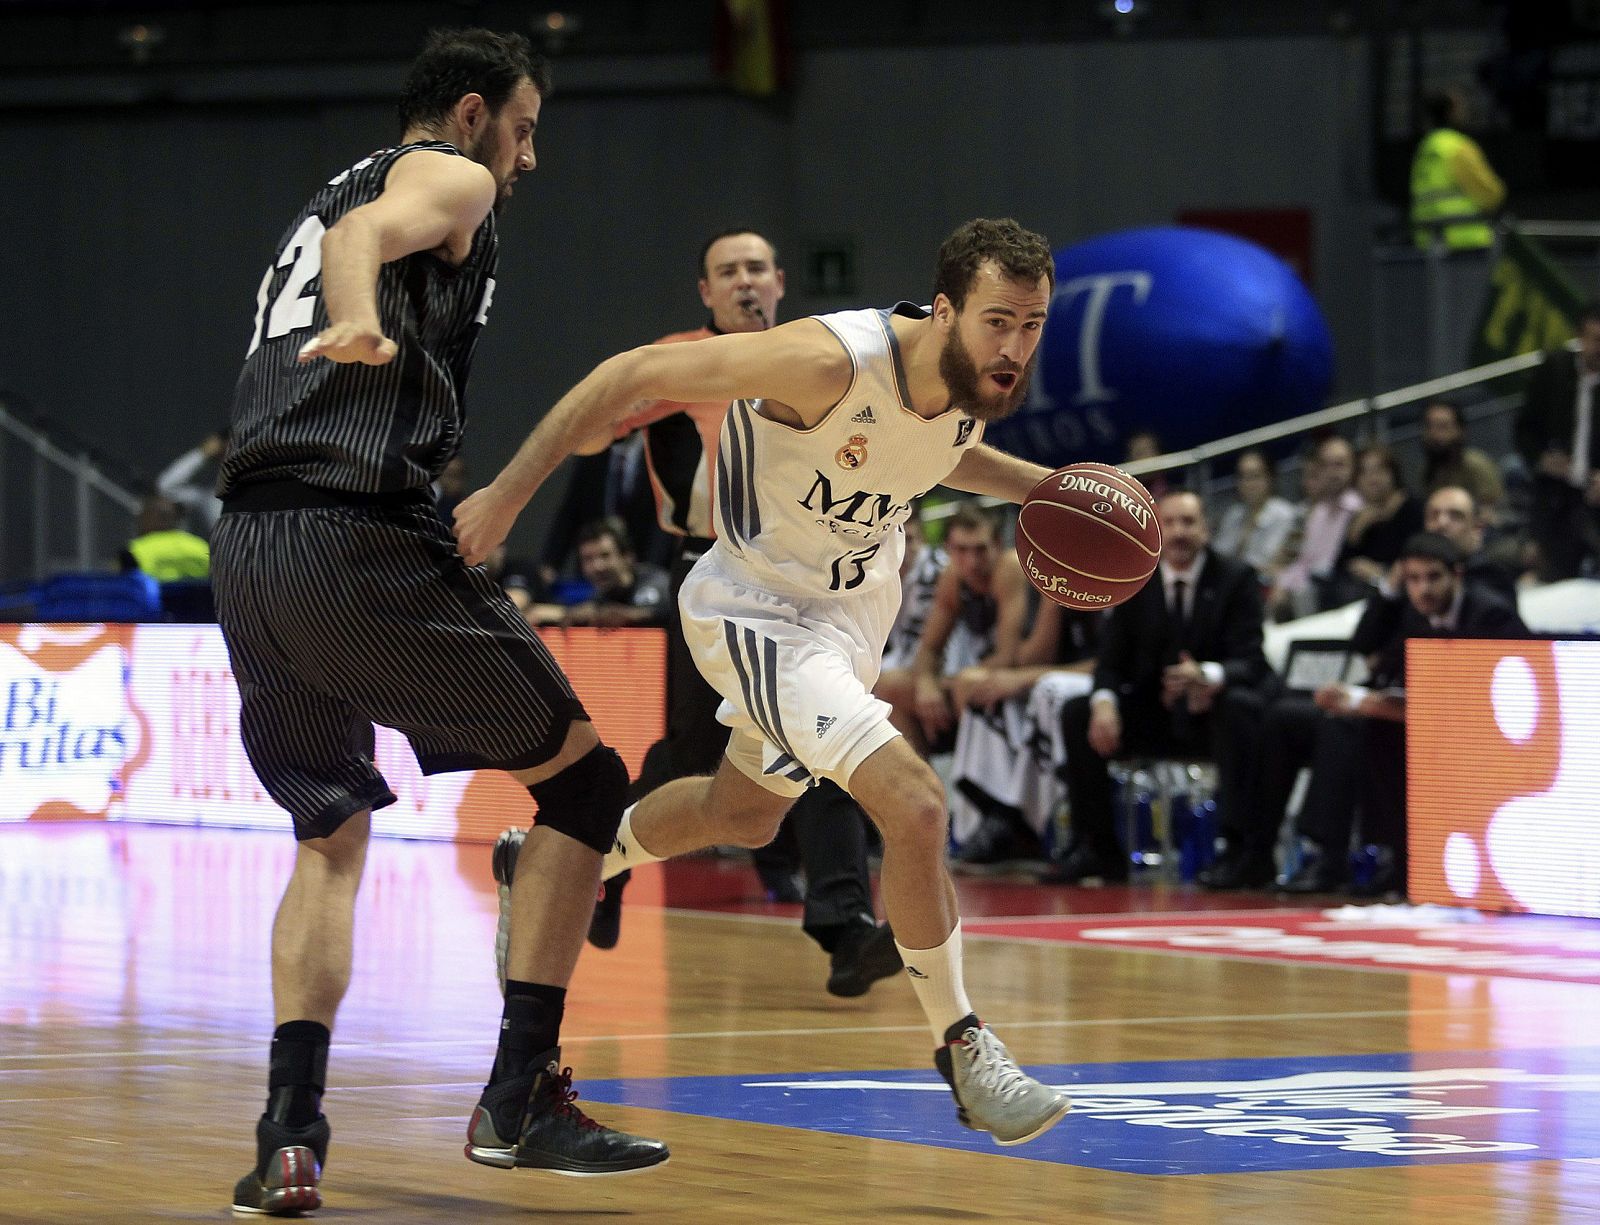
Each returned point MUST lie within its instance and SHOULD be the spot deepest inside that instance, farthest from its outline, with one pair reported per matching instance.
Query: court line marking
(1215, 954)
(811, 1031)
(967, 920)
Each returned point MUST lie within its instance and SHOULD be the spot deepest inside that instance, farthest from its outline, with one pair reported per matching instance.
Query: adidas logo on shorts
(865, 417)
(824, 722)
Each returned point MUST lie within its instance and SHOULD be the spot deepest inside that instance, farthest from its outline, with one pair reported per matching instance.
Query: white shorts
(795, 674)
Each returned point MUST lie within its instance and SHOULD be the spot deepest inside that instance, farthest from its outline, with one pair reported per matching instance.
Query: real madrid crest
(853, 454)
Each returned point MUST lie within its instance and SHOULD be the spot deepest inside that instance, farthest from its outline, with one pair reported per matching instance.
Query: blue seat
(100, 597)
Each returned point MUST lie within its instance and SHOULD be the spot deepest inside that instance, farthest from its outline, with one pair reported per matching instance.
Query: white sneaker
(992, 1093)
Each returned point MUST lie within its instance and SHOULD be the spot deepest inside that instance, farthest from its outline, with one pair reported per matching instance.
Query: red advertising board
(1503, 753)
(140, 723)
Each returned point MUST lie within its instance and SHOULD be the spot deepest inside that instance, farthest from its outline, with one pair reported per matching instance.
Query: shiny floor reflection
(134, 1010)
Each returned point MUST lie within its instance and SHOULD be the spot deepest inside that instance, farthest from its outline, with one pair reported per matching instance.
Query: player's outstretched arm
(800, 364)
(984, 470)
(431, 201)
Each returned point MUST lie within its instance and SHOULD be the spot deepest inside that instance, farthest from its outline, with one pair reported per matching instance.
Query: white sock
(626, 852)
(936, 978)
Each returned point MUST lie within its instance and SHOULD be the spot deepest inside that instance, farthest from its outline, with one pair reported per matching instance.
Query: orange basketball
(1088, 536)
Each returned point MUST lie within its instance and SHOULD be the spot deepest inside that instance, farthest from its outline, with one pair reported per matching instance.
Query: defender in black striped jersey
(345, 603)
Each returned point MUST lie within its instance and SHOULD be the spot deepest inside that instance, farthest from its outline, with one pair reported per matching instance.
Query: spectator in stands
(1451, 178)
(1332, 504)
(191, 482)
(1178, 674)
(1389, 516)
(1359, 746)
(1558, 434)
(1005, 768)
(1452, 512)
(626, 592)
(519, 581)
(1146, 444)
(980, 604)
(161, 548)
(1448, 460)
(583, 500)
(1256, 528)
(920, 568)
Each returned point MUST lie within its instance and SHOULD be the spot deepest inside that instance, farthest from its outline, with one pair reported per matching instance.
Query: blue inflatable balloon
(1190, 333)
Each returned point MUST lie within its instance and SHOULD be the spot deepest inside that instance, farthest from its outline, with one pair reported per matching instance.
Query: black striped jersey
(352, 427)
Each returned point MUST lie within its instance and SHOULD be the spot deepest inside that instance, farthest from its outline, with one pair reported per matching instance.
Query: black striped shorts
(340, 617)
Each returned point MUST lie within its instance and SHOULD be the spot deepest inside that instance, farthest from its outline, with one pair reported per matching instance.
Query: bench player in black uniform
(345, 603)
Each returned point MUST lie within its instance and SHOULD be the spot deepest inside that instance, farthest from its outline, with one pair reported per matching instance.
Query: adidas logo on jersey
(824, 722)
(865, 417)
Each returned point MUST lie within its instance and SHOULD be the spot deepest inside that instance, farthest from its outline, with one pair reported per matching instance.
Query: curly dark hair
(1021, 254)
(454, 63)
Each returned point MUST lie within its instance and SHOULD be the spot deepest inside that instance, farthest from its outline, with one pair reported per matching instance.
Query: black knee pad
(585, 801)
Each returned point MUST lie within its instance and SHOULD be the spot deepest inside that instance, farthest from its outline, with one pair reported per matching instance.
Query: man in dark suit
(1360, 743)
(1178, 674)
(1558, 434)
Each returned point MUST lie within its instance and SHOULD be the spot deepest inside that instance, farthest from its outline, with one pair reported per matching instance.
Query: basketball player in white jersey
(840, 421)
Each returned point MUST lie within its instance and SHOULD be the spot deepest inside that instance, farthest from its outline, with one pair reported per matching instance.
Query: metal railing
(60, 508)
(1372, 409)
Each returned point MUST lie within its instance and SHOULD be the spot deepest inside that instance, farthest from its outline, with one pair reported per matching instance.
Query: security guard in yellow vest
(163, 551)
(1451, 178)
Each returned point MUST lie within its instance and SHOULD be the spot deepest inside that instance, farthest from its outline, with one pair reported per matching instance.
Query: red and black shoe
(288, 1168)
(531, 1122)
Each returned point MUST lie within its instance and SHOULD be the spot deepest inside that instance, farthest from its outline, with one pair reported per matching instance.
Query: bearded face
(488, 150)
(990, 394)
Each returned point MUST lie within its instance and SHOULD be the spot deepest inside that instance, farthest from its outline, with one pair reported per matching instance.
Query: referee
(345, 603)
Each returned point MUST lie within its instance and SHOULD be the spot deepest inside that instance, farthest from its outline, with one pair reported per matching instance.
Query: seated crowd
(1048, 713)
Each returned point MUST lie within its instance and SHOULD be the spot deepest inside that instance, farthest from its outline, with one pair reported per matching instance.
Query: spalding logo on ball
(1190, 333)
(1088, 536)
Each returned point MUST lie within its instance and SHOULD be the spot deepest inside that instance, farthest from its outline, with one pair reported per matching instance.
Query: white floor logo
(1370, 1112)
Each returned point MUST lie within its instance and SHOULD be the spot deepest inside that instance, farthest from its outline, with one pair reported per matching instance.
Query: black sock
(529, 1026)
(297, 1073)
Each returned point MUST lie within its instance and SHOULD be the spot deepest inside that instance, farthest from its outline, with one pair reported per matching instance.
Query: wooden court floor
(134, 1011)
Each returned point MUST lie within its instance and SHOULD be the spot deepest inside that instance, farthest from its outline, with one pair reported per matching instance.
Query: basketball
(1088, 536)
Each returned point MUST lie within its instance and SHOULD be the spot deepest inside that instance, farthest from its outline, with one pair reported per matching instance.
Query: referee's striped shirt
(358, 428)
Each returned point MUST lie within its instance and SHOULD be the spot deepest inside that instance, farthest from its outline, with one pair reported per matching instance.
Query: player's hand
(1178, 679)
(1202, 697)
(349, 343)
(933, 708)
(1105, 728)
(976, 687)
(483, 521)
(1334, 698)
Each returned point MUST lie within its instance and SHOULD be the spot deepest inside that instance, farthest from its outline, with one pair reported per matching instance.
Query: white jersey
(814, 512)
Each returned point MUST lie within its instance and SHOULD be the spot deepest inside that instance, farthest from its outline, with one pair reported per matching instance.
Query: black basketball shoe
(288, 1167)
(605, 925)
(863, 955)
(549, 1131)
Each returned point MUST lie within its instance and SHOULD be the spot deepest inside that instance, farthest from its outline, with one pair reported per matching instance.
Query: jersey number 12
(294, 307)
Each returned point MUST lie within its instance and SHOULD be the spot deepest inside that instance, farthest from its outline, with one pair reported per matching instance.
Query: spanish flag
(751, 46)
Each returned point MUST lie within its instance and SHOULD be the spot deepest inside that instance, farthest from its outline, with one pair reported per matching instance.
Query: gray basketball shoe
(992, 1093)
(504, 862)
